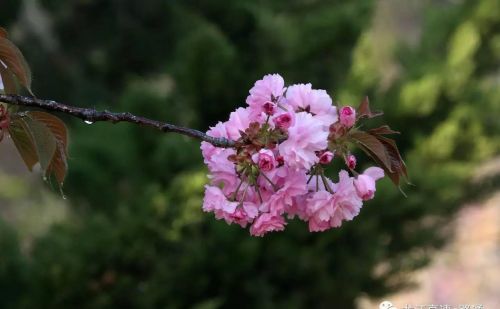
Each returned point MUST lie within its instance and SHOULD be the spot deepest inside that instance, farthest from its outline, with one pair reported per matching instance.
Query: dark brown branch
(92, 115)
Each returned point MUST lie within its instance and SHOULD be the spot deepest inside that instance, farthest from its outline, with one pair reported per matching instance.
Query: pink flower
(265, 160)
(347, 116)
(283, 121)
(268, 88)
(347, 204)
(320, 210)
(305, 137)
(239, 120)
(232, 212)
(251, 209)
(326, 157)
(365, 183)
(291, 185)
(241, 193)
(239, 216)
(208, 149)
(351, 161)
(215, 200)
(222, 170)
(317, 102)
(267, 223)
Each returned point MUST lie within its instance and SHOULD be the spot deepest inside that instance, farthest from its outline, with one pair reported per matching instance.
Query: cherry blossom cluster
(285, 139)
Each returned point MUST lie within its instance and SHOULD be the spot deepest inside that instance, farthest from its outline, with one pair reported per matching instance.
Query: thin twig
(91, 115)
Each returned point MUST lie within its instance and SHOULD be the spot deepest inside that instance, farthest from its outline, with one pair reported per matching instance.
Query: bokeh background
(131, 233)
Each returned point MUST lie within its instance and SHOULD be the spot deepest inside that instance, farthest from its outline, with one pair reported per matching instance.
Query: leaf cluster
(38, 136)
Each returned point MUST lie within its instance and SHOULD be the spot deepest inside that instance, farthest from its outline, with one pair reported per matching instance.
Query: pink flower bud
(365, 183)
(269, 108)
(265, 160)
(283, 121)
(351, 161)
(326, 157)
(365, 187)
(347, 116)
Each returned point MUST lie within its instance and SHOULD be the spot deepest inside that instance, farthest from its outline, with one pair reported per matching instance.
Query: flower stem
(275, 188)
(244, 193)
(258, 192)
(237, 190)
(325, 183)
(310, 177)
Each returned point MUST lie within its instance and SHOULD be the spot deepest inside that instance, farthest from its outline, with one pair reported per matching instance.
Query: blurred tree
(141, 239)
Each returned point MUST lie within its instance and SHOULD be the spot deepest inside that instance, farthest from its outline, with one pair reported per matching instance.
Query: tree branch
(92, 115)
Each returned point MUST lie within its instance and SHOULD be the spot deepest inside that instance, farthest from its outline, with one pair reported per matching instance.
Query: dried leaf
(14, 60)
(364, 110)
(23, 141)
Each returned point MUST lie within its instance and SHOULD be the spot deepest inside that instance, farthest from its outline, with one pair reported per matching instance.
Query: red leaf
(44, 140)
(14, 60)
(23, 141)
(365, 111)
(9, 82)
(382, 130)
(373, 147)
(55, 125)
(58, 166)
(383, 151)
(41, 137)
(3, 33)
(397, 163)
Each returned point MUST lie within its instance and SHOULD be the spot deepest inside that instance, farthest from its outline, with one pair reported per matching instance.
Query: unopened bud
(280, 160)
(347, 116)
(326, 157)
(351, 161)
(283, 121)
(265, 160)
(269, 108)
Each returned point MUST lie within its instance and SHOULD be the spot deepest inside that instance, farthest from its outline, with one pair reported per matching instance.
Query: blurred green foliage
(137, 237)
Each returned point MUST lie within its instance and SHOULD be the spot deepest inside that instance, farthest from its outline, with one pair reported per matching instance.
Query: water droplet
(88, 122)
(64, 197)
